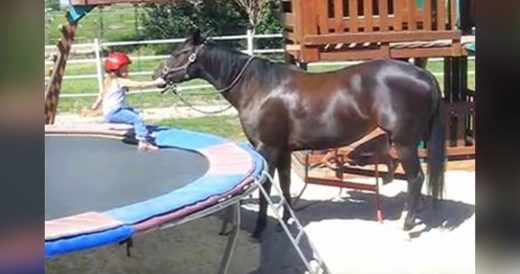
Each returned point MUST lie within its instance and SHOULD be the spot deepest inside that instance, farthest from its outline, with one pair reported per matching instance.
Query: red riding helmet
(116, 60)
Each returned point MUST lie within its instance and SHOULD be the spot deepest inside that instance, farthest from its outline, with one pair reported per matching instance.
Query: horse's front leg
(284, 176)
(270, 154)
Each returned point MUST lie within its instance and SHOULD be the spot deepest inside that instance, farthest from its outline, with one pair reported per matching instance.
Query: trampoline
(100, 190)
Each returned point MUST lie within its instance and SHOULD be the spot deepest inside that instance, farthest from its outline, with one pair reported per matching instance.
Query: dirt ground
(342, 226)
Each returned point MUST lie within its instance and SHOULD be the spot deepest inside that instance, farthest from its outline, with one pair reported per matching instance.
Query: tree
(163, 21)
(222, 17)
(254, 10)
(270, 23)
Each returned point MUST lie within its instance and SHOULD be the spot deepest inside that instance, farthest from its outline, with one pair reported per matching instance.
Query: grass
(118, 24)
(227, 126)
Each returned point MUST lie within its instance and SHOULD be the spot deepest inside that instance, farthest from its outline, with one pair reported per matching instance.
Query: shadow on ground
(196, 247)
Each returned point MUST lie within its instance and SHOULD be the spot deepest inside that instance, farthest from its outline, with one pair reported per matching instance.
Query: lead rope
(173, 89)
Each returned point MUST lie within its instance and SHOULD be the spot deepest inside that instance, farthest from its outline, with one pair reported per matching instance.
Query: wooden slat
(353, 15)
(287, 19)
(290, 35)
(353, 55)
(427, 22)
(412, 23)
(376, 22)
(338, 16)
(398, 11)
(337, 38)
(453, 13)
(291, 47)
(420, 52)
(441, 15)
(310, 25)
(298, 27)
(323, 16)
(367, 13)
(383, 15)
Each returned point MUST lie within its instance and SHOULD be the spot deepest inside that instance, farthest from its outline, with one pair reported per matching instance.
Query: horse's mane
(262, 68)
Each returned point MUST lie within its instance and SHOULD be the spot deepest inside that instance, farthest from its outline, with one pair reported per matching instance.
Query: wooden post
(309, 27)
(52, 92)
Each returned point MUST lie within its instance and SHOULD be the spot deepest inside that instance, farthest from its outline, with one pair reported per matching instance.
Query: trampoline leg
(224, 265)
(297, 198)
(227, 219)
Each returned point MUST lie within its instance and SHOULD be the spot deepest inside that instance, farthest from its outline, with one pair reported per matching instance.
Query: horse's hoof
(279, 227)
(255, 240)
(408, 226)
(224, 233)
(257, 234)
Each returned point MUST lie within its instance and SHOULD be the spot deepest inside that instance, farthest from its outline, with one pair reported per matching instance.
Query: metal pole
(250, 46)
(99, 61)
(224, 266)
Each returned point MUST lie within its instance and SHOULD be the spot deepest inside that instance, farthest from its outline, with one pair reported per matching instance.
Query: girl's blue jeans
(129, 116)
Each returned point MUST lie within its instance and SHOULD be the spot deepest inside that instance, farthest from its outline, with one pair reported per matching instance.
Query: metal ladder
(319, 266)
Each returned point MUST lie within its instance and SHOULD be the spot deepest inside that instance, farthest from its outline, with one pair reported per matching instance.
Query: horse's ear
(196, 37)
(206, 34)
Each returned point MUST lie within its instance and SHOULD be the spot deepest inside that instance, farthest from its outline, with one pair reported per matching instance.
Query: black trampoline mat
(96, 174)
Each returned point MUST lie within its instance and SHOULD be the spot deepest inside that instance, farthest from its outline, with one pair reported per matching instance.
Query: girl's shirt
(114, 98)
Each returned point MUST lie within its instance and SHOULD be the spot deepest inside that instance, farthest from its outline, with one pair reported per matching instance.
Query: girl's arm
(99, 99)
(141, 84)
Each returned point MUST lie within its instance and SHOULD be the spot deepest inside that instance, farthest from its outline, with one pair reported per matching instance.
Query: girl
(113, 95)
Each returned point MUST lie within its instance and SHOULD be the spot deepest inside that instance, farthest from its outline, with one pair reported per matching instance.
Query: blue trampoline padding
(186, 139)
(201, 189)
(60, 246)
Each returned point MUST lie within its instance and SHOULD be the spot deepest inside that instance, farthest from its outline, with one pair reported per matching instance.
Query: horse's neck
(221, 69)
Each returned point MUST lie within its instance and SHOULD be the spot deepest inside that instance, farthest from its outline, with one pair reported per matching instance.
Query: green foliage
(270, 24)
(164, 21)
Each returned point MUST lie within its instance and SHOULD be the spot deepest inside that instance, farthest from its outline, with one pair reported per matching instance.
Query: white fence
(97, 46)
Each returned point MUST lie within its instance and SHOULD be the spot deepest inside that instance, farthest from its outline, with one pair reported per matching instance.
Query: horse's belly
(320, 137)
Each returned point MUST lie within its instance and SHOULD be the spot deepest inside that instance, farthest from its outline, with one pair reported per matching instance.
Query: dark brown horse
(283, 108)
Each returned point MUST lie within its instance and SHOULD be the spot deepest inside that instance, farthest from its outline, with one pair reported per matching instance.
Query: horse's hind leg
(415, 177)
(391, 165)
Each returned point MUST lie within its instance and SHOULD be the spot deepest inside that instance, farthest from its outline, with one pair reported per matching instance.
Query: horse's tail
(436, 148)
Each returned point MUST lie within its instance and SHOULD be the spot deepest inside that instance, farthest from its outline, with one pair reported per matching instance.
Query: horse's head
(182, 64)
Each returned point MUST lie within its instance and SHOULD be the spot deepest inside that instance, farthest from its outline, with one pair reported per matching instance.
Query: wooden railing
(317, 26)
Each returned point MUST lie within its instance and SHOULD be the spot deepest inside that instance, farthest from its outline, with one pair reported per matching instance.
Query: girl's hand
(160, 81)
(94, 106)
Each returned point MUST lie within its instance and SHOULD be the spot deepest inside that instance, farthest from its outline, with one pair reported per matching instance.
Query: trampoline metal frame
(234, 217)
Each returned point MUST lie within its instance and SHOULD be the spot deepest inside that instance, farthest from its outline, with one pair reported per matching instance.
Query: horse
(283, 108)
